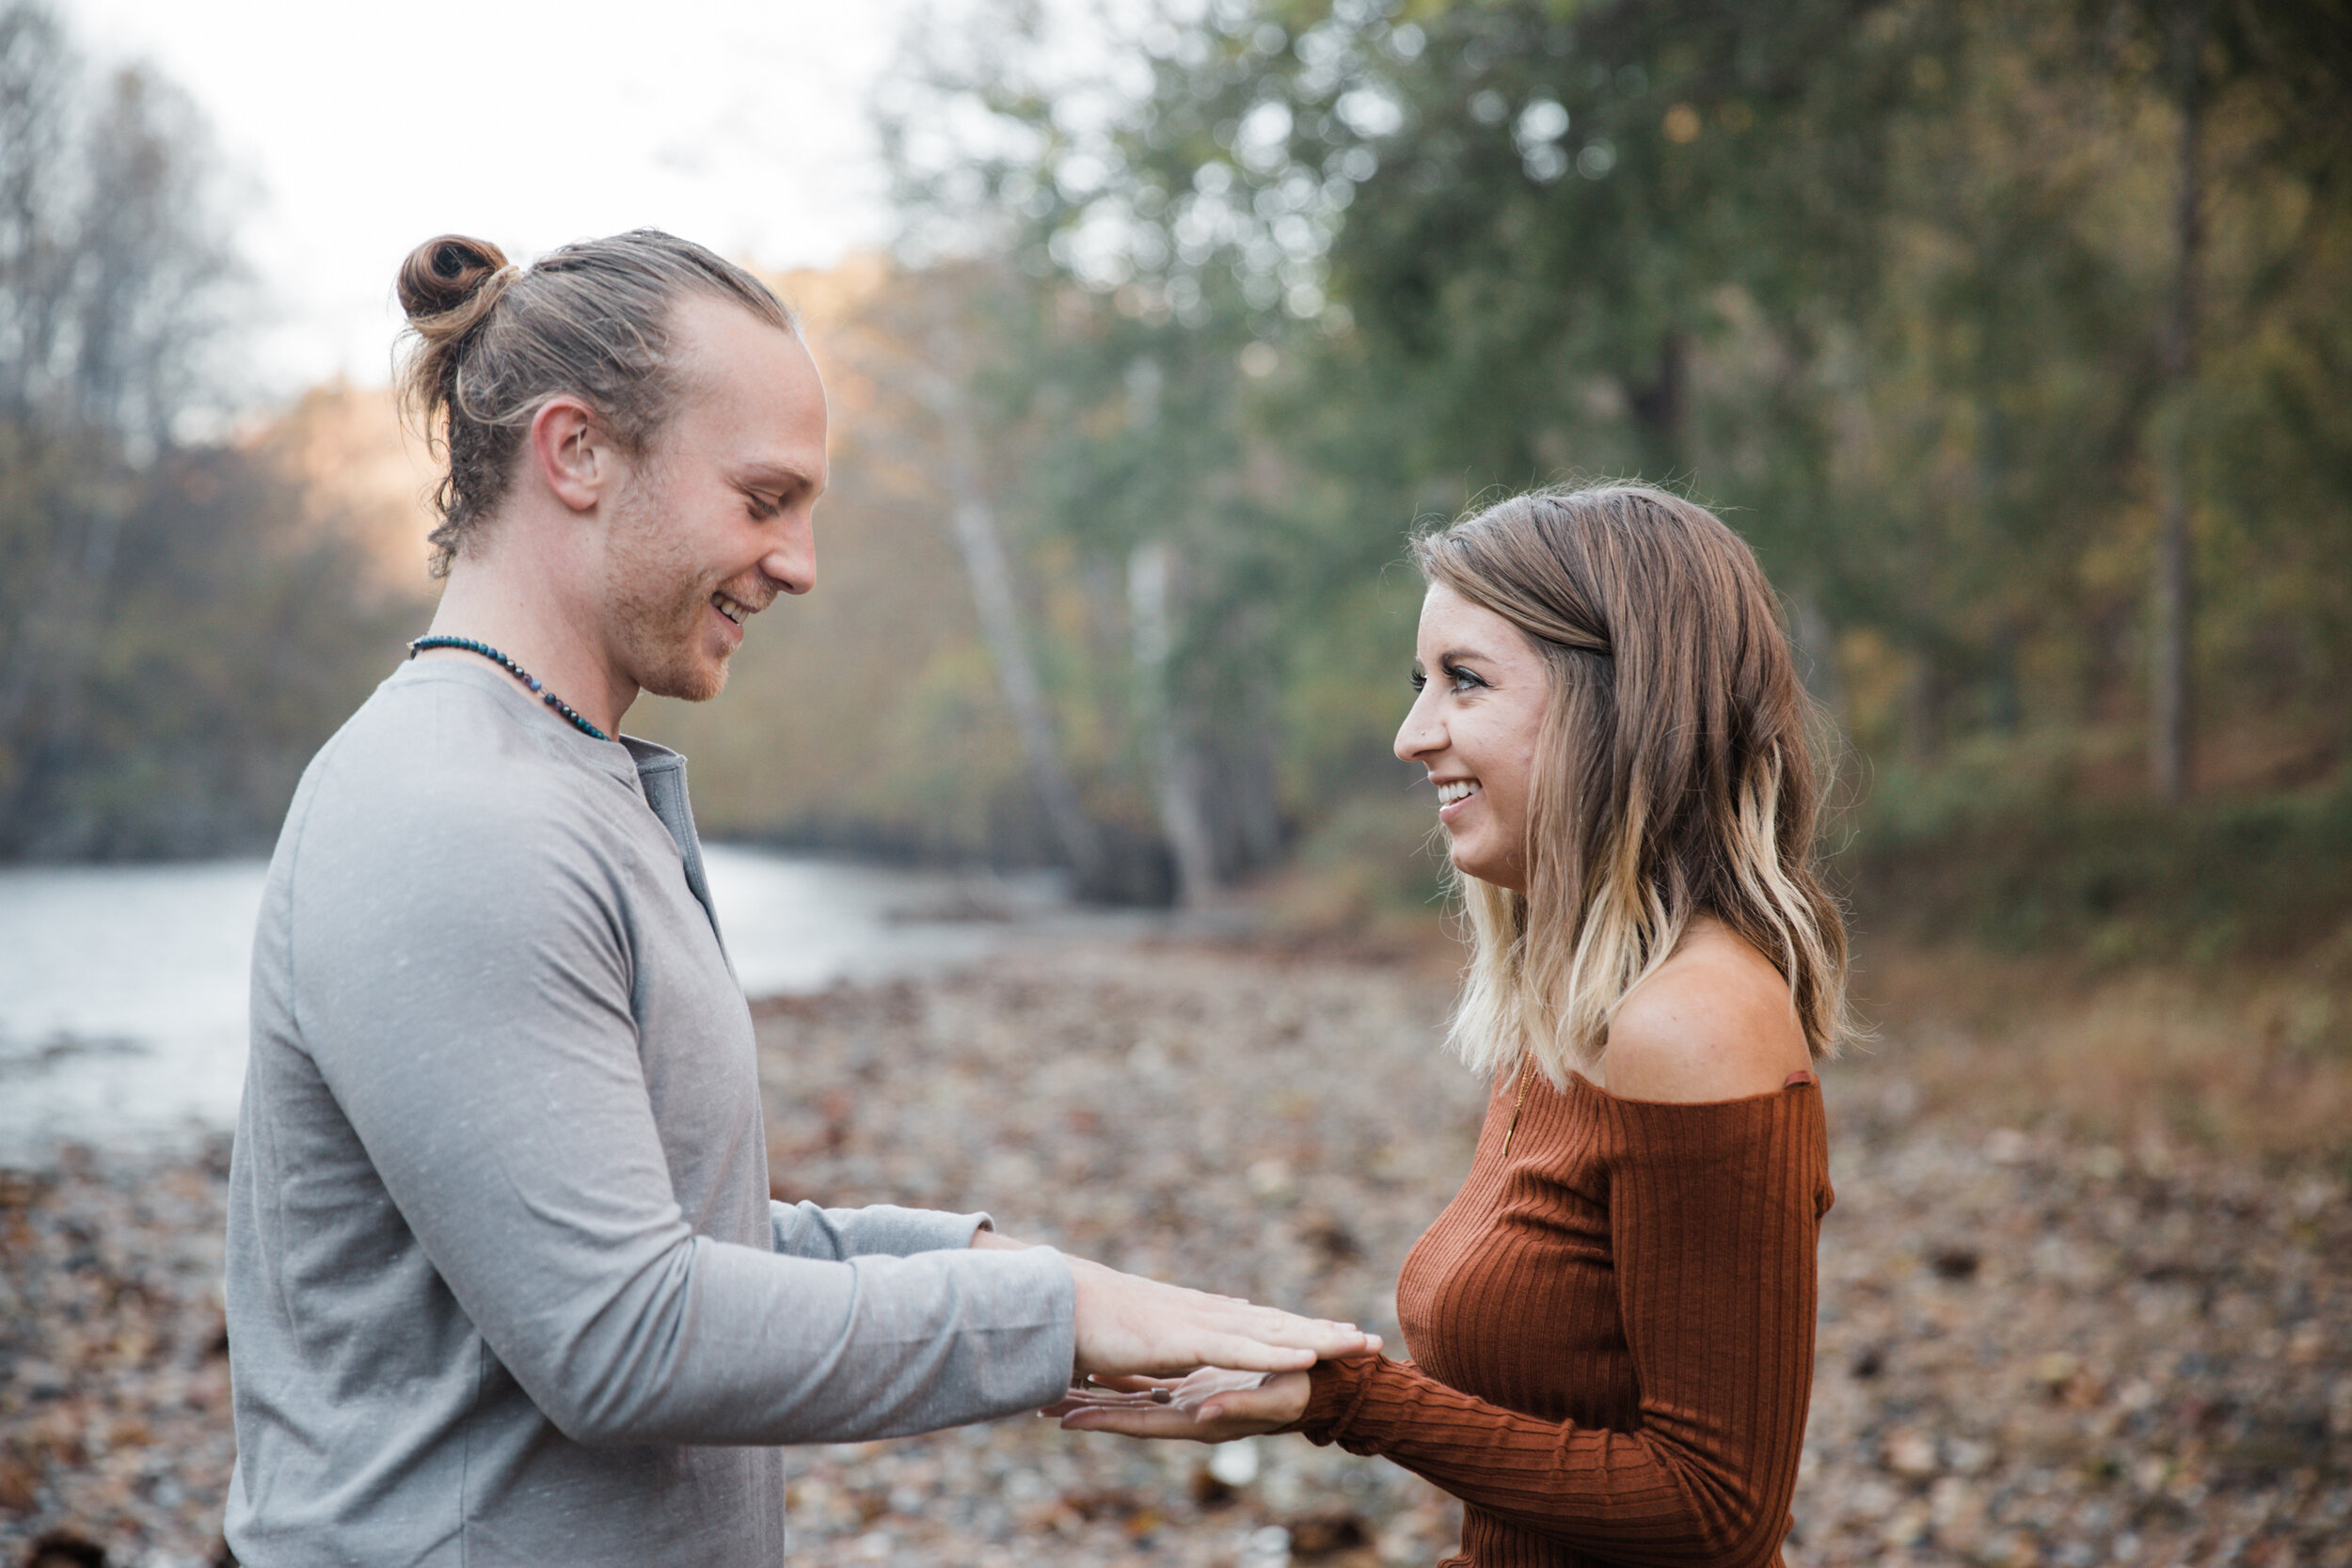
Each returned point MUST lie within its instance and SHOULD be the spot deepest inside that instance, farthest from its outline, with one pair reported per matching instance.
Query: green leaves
(1885, 282)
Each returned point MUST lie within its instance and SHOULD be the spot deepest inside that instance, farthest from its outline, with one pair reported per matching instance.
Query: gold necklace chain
(1516, 1105)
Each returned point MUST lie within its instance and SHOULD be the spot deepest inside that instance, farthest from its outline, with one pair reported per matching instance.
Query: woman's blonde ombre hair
(1674, 776)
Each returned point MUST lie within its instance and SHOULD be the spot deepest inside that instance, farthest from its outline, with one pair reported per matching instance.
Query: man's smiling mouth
(734, 609)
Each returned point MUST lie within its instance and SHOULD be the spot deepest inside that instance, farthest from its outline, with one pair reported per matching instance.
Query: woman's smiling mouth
(1452, 795)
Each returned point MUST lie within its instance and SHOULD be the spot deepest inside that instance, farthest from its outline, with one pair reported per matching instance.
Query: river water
(122, 988)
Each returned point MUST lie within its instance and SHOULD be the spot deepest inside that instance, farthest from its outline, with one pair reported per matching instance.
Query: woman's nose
(1419, 734)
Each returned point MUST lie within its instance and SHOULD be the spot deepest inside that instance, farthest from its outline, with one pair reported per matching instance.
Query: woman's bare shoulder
(1715, 1023)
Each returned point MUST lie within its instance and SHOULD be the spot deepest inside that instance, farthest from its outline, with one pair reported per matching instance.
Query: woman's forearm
(1636, 1497)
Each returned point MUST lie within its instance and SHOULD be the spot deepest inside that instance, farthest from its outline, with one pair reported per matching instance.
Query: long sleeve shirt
(505, 1281)
(1613, 1331)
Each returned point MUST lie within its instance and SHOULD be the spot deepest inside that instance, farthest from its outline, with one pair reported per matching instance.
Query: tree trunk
(999, 613)
(2170, 739)
(1256, 801)
(1180, 775)
(938, 385)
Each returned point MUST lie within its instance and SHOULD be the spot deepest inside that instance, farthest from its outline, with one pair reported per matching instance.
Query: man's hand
(1134, 1328)
(1130, 1326)
(1215, 1405)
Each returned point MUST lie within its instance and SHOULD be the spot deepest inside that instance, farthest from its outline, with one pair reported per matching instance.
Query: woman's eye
(1462, 679)
(1418, 679)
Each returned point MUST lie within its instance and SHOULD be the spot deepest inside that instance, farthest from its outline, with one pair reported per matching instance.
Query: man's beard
(659, 602)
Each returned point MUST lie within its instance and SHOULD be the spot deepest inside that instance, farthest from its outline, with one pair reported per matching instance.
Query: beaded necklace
(422, 644)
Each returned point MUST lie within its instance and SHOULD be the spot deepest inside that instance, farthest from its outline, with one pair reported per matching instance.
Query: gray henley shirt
(505, 1284)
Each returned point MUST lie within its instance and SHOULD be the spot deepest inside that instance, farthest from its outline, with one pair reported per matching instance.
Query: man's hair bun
(443, 274)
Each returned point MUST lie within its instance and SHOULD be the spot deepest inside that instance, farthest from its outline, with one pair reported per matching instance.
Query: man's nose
(792, 565)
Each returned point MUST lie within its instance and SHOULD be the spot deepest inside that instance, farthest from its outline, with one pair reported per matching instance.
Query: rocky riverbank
(2036, 1347)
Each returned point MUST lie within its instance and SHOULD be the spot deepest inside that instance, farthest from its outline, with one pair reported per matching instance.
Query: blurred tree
(171, 622)
(114, 250)
(239, 629)
(1901, 286)
(2293, 60)
(920, 352)
(1141, 431)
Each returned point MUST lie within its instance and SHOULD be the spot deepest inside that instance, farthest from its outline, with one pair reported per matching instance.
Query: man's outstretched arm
(493, 1075)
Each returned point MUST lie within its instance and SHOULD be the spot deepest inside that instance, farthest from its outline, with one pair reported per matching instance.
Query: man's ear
(572, 453)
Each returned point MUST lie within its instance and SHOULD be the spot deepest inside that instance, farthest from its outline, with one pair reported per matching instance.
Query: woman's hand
(1213, 1406)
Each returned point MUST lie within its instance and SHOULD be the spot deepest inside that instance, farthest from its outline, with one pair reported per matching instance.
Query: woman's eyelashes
(1457, 678)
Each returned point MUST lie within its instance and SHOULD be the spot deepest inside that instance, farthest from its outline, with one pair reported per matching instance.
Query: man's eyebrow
(776, 476)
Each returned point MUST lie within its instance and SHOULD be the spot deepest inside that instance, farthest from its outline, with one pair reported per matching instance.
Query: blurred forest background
(2013, 334)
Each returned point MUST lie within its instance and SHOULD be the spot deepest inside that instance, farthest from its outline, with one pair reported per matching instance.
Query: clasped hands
(1160, 1361)
(1157, 1360)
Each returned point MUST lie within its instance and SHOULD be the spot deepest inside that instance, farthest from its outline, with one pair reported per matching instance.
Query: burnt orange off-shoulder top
(1612, 1327)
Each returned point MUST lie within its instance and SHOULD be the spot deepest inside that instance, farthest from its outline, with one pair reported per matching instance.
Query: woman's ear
(570, 452)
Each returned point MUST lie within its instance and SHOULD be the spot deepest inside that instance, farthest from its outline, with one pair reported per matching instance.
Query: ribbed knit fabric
(1613, 1331)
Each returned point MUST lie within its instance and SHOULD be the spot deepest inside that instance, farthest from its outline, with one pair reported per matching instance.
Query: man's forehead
(721, 341)
(753, 385)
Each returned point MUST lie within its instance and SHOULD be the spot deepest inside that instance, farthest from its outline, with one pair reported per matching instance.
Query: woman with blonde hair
(1611, 1323)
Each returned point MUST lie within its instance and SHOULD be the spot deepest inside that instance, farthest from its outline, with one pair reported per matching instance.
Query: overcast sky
(362, 127)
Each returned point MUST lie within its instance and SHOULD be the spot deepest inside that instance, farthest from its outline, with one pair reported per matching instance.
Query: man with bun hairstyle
(505, 1282)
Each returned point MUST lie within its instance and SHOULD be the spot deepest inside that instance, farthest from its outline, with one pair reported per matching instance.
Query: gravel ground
(2033, 1350)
